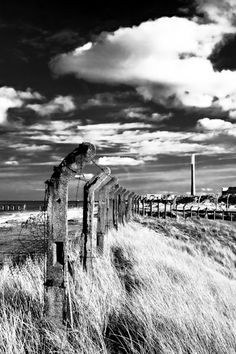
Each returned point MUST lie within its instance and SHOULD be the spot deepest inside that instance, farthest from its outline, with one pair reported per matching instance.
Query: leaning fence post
(102, 217)
(89, 239)
(57, 295)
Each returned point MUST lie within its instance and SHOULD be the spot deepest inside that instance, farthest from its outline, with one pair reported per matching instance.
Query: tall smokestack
(193, 187)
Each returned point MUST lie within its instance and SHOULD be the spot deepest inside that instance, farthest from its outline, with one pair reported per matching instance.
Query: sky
(147, 83)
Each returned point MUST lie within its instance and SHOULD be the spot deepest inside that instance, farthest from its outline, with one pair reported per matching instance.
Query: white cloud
(30, 148)
(158, 117)
(165, 59)
(56, 105)
(100, 100)
(11, 163)
(137, 139)
(219, 11)
(11, 98)
(214, 124)
(119, 161)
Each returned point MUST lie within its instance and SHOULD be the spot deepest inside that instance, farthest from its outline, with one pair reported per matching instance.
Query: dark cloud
(224, 54)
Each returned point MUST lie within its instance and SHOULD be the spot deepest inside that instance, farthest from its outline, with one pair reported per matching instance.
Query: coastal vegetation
(161, 286)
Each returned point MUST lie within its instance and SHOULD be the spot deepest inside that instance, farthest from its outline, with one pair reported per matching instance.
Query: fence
(187, 207)
(113, 205)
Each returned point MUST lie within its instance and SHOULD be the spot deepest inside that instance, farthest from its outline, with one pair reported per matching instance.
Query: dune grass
(162, 286)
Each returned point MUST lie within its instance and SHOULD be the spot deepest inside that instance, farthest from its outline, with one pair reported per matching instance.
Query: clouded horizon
(147, 84)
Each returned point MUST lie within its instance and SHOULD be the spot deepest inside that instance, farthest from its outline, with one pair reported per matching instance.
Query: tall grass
(162, 287)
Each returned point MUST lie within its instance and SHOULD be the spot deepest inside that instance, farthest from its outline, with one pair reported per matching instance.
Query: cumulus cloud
(11, 98)
(214, 124)
(119, 161)
(166, 60)
(56, 105)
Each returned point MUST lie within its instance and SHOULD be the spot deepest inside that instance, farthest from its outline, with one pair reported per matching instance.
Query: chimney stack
(193, 187)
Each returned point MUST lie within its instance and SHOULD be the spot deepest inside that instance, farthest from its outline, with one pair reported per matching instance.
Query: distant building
(228, 190)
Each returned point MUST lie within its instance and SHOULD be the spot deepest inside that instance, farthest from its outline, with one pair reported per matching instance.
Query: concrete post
(124, 205)
(143, 206)
(129, 206)
(57, 295)
(120, 205)
(116, 206)
(111, 206)
(89, 237)
(150, 203)
(103, 202)
(133, 208)
(138, 204)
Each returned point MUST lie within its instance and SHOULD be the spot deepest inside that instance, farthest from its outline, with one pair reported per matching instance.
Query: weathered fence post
(143, 206)
(138, 204)
(116, 206)
(57, 293)
(191, 212)
(112, 202)
(158, 208)
(89, 237)
(150, 202)
(125, 202)
(134, 204)
(165, 206)
(102, 219)
(131, 197)
(121, 205)
(214, 214)
(198, 214)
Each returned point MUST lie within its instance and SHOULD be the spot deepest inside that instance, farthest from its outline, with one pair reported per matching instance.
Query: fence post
(121, 205)
(171, 207)
(143, 206)
(116, 206)
(88, 237)
(125, 203)
(102, 218)
(131, 197)
(214, 214)
(111, 211)
(150, 203)
(57, 295)
(134, 204)
(158, 208)
(138, 204)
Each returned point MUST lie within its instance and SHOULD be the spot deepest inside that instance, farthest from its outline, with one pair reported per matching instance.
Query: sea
(30, 205)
